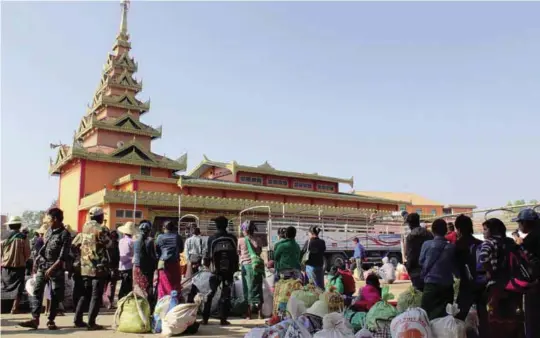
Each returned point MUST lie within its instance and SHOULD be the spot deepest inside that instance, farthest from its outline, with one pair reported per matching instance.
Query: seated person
(335, 280)
(387, 271)
(368, 295)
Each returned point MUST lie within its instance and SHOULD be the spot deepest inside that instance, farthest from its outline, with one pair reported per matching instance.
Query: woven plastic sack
(279, 330)
(297, 330)
(356, 319)
(411, 298)
(449, 327)
(132, 315)
(295, 307)
(314, 289)
(306, 295)
(180, 317)
(334, 300)
(282, 293)
(334, 326)
(163, 306)
(411, 323)
(381, 312)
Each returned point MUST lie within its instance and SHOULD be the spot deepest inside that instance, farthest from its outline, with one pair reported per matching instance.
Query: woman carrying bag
(249, 250)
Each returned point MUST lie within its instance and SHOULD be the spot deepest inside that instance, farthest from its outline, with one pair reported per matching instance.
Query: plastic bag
(409, 299)
(356, 319)
(334, 326)
(163, 306)
(411, 323)
(449, 327)
(306, 295)
(282, 293)
(364, 333)
(295, 307)
(132, 315)
(180, 317)
(279, 330)
(381, 312)
(297, 330)
(268, 296)
(30, 286)
(256, 332)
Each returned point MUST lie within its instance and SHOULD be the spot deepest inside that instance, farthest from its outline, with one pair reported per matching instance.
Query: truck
(380, 237)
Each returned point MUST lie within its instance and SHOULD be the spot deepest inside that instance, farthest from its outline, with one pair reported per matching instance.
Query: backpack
(523, 269)
(224, 255)
(475, 270)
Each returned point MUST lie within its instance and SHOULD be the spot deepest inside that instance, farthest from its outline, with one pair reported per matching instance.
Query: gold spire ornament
(123, 23)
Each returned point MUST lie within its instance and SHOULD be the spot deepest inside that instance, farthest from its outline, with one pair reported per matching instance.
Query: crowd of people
(96, 259)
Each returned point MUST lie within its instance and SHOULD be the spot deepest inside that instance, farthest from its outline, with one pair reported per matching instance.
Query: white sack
(179, 319)
(297, 330)
(335, 326)
(411, 323)
(449, 327)
(268, 296)
(295, 307)
(364, 333)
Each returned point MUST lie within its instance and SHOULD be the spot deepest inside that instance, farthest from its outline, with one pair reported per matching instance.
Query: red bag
(349, 283)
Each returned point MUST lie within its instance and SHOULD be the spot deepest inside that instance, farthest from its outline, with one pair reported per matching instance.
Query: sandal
(51, 325)
(30, 324)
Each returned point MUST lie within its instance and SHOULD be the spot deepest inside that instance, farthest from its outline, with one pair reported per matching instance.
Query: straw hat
(13, 220)
(319, 308)
(128, 229)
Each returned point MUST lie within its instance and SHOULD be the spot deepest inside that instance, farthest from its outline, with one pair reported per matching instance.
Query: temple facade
(110, 163)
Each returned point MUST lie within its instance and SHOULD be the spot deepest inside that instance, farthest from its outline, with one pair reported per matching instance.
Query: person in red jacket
(348, 281)
(451, 235)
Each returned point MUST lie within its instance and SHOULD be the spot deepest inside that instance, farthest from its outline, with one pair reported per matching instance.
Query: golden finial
(123, 23)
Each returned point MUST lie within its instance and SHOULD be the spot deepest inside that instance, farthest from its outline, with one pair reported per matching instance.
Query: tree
(32, 218)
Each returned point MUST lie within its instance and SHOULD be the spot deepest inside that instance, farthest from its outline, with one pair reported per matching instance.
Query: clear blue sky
(441, 99)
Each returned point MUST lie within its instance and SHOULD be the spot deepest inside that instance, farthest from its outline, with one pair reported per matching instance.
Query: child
(369, 294)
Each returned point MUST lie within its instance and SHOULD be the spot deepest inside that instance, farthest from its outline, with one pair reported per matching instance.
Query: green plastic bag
(132, 315)
(357, 319)
(381, 311)
(409, 299)
(305, 295)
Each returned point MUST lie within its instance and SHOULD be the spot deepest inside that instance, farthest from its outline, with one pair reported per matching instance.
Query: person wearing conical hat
(15, 253)
(92, 243)
(126, 258)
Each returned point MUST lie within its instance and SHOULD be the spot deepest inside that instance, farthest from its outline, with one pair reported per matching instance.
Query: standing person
(114, 263)
(413, 246)
(248, 247)
(315, 249)
(451, 235)
(169, 247)
(222, 252)
(473, 281)
(437, 259)
(92, 243)
(287, 256)
(195, 248)
(529, 223)
(125, 268)
(358, 257)
(144, 263)
(15, 253)
(50, 269)
(505, 308)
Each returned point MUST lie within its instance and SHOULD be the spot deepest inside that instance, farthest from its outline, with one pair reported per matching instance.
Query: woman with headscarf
(169, 247)
(505, 308)
(249, 248)
(144, 263)
(313, 257)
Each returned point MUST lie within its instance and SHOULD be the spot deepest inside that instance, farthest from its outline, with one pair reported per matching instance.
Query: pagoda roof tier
(264, 169)
(131, 153)
(127, 101)
(134, 177)
(123, 61)
(160, 199)
(125, 80)
(186, 181)
(126, 123)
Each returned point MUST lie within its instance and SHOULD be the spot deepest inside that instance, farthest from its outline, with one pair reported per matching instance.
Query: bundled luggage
(307, 295)
(449, 327)
(334, 326)
(409, 299)
(334, 300)
(411, 323)
(380, 316)
(132, 315)
(180, 318)
(163, 306)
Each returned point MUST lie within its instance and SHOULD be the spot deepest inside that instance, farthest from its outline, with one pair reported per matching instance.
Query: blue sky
(435, 98)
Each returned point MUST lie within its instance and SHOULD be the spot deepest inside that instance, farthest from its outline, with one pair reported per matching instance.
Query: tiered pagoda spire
(111, 126)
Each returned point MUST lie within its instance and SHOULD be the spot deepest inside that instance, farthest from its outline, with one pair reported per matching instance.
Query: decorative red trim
(135, 185)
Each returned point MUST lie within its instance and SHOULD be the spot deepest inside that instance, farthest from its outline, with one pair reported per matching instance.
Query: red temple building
(110, 163)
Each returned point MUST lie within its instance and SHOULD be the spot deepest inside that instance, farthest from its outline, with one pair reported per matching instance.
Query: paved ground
(238, 328)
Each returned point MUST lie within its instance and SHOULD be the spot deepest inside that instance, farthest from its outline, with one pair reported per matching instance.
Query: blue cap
(526, 215)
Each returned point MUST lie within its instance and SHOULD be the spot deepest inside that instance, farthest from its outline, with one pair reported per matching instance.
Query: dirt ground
(238, 328)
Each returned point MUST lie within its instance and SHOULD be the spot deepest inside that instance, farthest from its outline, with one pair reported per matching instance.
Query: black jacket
(317, 248)
(413, 246)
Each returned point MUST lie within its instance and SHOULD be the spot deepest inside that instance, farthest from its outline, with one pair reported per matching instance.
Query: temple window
(434, 212)
(326, 187)
(128, 213)
(146, 171)
(122, 213)
(251, 179)
(303, 185)
(277, 182)
(402, 207)
(419, 211)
